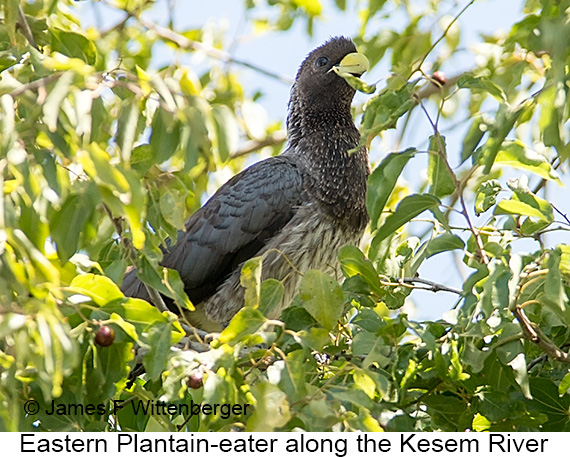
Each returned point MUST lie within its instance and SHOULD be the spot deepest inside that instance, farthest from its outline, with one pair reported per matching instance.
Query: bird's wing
(234, 224)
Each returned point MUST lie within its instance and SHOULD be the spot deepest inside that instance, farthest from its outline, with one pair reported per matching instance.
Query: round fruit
(439, 78)
(104, 336)
(195, 380)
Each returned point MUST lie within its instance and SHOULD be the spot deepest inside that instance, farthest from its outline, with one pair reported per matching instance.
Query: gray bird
(297, 209)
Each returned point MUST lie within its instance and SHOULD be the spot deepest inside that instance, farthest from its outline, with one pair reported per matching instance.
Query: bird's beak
(353, 64)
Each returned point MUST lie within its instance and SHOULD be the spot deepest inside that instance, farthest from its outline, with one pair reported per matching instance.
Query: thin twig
(542, 358)
(35, 84)
(476, 234)
(25, 27)
(118, 26)
(562, 214)
(433, 286)
(533, 333)
(409, 282)
(431, 89)
(443, 35)
(273, 139)
(534, 362)
(185, 43)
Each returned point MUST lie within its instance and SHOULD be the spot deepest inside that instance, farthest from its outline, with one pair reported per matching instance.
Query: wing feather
(232, 226)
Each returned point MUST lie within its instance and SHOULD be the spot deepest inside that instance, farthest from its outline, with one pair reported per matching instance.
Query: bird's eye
(321, 62)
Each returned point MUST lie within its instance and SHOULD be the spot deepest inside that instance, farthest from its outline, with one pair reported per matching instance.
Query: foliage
(103, 156)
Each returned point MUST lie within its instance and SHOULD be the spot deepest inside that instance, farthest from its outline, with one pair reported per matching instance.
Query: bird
(296, 209)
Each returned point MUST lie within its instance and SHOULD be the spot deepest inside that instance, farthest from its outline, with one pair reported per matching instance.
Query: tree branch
(273, 139)
(25, 27)
(432, 286)
(185, 43)
(431, 89)
(442, 36)
(562, 214)
(532, 333)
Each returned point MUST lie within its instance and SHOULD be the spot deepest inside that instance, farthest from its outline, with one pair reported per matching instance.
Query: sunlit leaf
(382, 181)
(486, 196)
(410, 207)
(322, 297)
(441, 179)
(516, 155)
(73, 44)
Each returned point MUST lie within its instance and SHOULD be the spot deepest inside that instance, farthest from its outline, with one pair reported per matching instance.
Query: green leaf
(564, 386)
(158, 280)
(74, 45)
(271, 295)
(443, 243)
(410, 207)
(384, 110)
(315, 338)
(352, 396)
(165, 136)
(289, 375)
(487, 195)
(405, 250)
(68, 223)
(142, 158)
(527, 204)
(99, 288)
(227, 133)
(518, 364)
(322, 297)
(551, 121)
(372, 347)
(245, 323)
(138, 312)
(173, 283)
(55, 98)
(441, 180)
(547, 400)
(364, 382)
(554, 292)
(11, 18)
(271, 409)
(516, 155)
(482, 83)
(250, 280)
(382, 181)
(473, 356)
(106, 371)
(353, 262)
(355, 82)
(472, 138)
(7, 60)
(159, 341)
(127, 123)
(445, 410)
(197, 142)
(129, 329)
(504, 123)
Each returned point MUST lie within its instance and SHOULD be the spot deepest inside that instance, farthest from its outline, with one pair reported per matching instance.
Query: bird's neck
(306, 120)
(321, 140)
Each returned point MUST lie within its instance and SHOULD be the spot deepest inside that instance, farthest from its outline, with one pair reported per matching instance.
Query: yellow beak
(352, 64)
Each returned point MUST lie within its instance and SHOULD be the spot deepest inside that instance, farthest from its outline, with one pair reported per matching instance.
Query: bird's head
(316, 82)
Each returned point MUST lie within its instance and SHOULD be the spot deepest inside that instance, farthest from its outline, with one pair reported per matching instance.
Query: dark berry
(195, 380)
(439, 78)
(104, 336)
